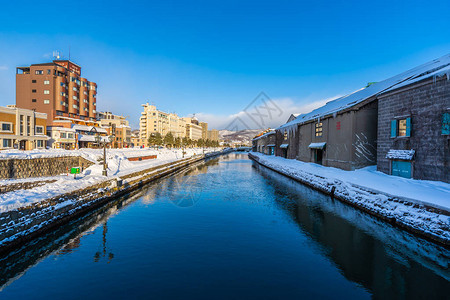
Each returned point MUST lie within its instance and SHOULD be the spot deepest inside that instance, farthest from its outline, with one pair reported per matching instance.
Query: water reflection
(230, 227)
(64, 240)
(389, 262)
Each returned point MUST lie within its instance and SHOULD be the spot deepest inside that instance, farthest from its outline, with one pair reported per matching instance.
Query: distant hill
(243, 136)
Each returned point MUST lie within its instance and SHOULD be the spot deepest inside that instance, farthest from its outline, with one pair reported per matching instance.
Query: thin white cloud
(3, 68)
(273, 115)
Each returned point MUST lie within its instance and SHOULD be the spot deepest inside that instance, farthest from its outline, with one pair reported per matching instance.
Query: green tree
(169, 139)
(155, 139)
(177, 142)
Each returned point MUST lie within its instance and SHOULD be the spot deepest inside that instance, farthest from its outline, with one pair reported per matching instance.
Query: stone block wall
(424, 102)
(15, 168)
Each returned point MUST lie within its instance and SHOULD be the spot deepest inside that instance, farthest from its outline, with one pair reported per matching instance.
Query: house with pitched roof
(343, 133)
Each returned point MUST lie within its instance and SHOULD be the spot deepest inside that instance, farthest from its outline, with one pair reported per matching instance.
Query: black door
(318, 154)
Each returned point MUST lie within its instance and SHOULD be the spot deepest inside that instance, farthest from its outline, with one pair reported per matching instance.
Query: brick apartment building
(57, 89)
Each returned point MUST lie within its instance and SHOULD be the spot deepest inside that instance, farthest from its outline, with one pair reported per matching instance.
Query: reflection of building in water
(149, 197)
(61, 241)
(104, 253)
(386, 260)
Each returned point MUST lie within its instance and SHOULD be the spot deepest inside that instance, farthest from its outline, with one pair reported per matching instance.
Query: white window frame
(10, 142)
(11, 126)
(46, 101)
(46, 92)
(46, 82)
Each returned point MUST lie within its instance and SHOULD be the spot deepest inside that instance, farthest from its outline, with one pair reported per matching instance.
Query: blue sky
(213, 58)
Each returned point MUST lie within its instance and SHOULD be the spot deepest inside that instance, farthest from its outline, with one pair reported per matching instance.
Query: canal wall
(21, 225)
(16, 168)
(427, 222)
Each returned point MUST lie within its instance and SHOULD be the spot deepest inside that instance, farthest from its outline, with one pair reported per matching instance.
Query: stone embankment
(427, 222)
(16, 168)
(21, 225)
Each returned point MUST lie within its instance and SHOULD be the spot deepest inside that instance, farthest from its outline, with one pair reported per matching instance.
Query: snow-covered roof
(436, 67)
(400, 154)
(272, 131)
(317, 145)
(61, 129)
(284, 145)
(91, 138)
(271, 145)
(88, 128)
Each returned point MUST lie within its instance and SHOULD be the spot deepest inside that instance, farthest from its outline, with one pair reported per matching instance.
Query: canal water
(226, 228)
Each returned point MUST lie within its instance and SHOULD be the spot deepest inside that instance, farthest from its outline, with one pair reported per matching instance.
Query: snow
(117, 161)
(284, 146)
(272, 131)
(317, 145)
(433, 193)
(400, 154)
(88, 128)
(436, 67)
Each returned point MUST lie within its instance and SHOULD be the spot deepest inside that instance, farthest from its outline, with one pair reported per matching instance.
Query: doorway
(318, 156)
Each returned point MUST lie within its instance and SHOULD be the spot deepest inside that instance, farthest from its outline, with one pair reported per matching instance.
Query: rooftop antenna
(56, 55)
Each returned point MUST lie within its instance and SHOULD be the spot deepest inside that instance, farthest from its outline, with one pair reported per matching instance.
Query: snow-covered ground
(118, 165)
(433, 193)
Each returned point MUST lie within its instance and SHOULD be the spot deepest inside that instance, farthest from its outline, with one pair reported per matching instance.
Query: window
(63, 135)
(62, 84)
(74, 98)
(49, 72)
(28, 125)
(319, 129)
(46, 81)
(70, 135)
(39, 129)
(33, 100)
(75, 89)
(285, 135)
(39, 72)
(33, 91)
(401, 128)
(446, 123)
(7, 143)
(33, 81)
(39, 143)
(6, 127)
(74, 106)
(46, 101)
(21, 124)
(46, 92)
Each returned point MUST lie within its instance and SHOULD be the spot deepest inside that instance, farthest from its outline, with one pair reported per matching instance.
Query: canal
(226, 228)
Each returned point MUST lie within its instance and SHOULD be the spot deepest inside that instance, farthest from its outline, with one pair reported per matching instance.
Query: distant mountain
(243, 136)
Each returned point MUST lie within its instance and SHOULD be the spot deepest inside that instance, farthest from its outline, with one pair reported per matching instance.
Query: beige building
(62, 138)
(153, 120)
(193, 129)
(204, 130)
(117, 126)
(22, 128)
(177, 126)
(213, 135)
(136, 140)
